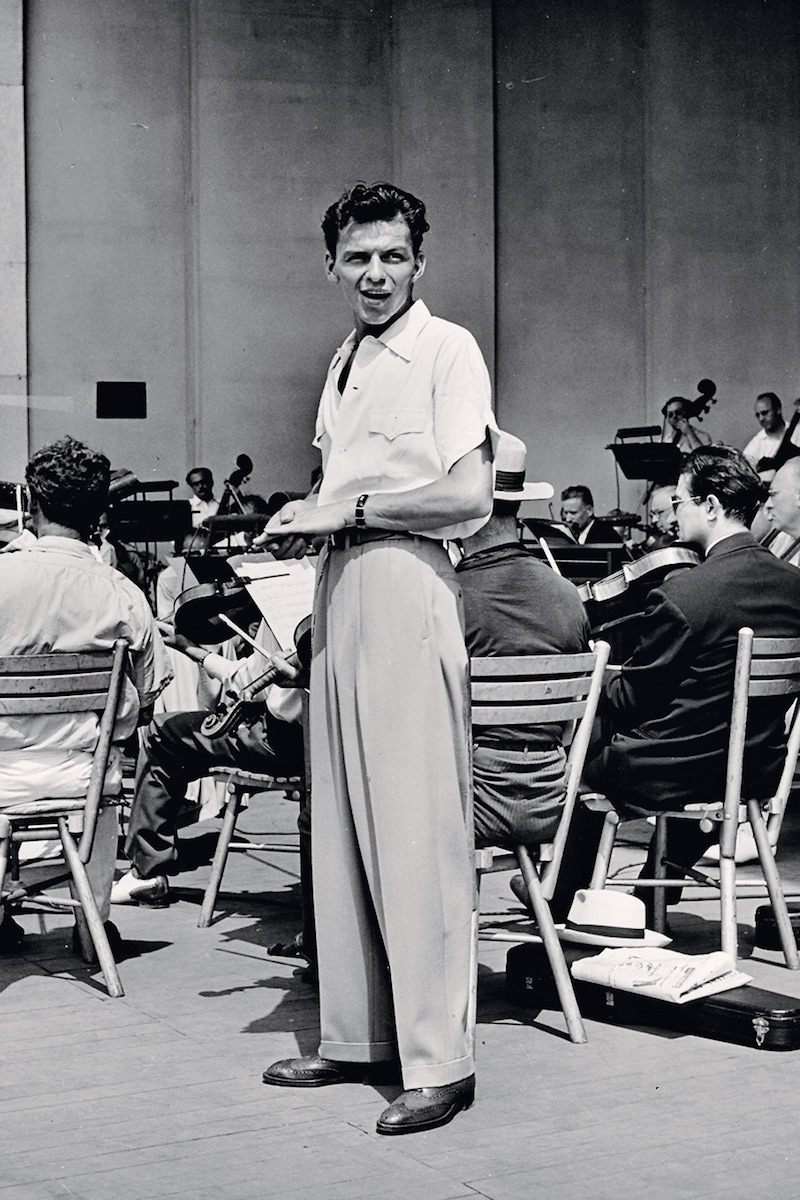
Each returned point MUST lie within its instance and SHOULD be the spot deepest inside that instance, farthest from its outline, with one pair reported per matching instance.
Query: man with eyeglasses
(669, 705)
(663, 521)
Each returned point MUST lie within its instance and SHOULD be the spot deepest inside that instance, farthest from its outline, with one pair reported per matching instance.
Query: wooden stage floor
(159, 1094)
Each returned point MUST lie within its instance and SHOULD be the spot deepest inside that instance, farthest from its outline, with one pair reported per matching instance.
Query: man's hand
(308, 520)
(289, 674)
(175, 640)
(252, 735)
(283, 544)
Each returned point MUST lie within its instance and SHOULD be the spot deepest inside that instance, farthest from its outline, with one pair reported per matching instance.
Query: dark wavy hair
(579, 491)
(69, 483)
(725, 473)
(365, 203)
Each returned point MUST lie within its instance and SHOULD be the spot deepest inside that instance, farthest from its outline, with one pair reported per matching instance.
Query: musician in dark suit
(670, 704)
(577, 514)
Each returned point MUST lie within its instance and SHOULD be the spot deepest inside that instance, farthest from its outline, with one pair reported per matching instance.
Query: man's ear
(419, 266)
(330, 268)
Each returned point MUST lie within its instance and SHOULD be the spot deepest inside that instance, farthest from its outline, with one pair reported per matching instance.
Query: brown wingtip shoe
(418, 1109)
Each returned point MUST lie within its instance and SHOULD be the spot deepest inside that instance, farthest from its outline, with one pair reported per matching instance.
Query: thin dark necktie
(345, 371)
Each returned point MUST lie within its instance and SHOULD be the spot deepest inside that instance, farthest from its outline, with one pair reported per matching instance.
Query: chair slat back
(765, 666)
(543, 689)
(54, 683)
(530, 690)
(69, 683)
(774, 667)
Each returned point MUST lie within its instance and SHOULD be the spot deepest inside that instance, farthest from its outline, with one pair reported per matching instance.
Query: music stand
(656, 462)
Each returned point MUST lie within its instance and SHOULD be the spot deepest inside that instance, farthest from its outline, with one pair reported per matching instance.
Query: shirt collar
(64, 545)
(400, 337)
(731, 541)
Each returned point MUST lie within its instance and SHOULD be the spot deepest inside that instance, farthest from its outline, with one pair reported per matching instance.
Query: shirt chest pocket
(393, 423)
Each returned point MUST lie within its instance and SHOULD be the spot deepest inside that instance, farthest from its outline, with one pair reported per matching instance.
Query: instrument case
(766, 929)
(743, 1016)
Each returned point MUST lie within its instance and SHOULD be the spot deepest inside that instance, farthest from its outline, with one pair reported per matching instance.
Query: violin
(239, 708)
(648, 570)
(199, 611)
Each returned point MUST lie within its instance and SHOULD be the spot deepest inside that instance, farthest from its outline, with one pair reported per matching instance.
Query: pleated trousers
(394, 885)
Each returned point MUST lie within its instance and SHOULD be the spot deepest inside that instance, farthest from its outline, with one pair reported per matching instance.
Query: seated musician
(663, 519)
(175, 752)
(56, 595)
(679, 430)
(783, 512)
(514, 604)
(203, 502)
(773, 438)
(577, 515)
(670, 704)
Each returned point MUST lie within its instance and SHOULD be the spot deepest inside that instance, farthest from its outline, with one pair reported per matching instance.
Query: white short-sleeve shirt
(416, 400)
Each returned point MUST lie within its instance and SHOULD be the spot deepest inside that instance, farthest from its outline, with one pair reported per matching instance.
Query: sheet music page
(282, 590)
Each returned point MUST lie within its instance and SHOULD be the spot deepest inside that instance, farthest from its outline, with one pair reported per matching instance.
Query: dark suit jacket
(671, 704)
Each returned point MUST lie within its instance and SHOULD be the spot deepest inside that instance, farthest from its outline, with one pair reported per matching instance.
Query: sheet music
(282, 591)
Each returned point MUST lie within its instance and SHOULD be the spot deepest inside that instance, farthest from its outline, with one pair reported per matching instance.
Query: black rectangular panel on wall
(121, 401)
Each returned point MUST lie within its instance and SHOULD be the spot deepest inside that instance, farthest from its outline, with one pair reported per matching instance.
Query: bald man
(783, 512)
(663, 518)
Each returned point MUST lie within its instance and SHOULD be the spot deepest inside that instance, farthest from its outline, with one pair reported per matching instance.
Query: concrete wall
(13, 328)
(647, 219)
(181, 158)
(611, 183)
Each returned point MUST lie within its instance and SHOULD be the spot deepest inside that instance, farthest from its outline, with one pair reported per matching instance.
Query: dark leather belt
(345, 539)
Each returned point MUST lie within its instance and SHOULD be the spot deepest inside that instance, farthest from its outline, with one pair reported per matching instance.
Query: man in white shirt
(55, 595)
(404, 428)
(762, 448)
(203, 503)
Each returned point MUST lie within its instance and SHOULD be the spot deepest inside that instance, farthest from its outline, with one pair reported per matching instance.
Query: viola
(241, 707)
(199, 611)
(648, 570)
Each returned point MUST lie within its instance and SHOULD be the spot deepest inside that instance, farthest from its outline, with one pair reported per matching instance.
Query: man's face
(575, 514)
(692, 525)
(767, 416)
(675, 414)
(376, 268)
(662, 514)
(783, 502)
(202, 484)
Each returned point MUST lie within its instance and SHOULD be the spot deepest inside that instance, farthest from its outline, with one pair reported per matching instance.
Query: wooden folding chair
(765, 667)
(240, 786)
(62, 683)
(539, 690)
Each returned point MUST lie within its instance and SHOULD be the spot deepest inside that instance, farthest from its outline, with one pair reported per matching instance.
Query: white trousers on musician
(394, 885)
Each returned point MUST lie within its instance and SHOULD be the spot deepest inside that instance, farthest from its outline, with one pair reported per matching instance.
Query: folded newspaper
(664, 974)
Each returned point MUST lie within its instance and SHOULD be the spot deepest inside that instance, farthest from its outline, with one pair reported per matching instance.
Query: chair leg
(5, 843)
(660, 893)
(89, 906)
(773, 882)
(220, 858)
(605, 850)
(555, 953)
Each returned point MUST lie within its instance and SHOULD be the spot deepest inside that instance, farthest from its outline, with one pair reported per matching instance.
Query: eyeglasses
(676, 503)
